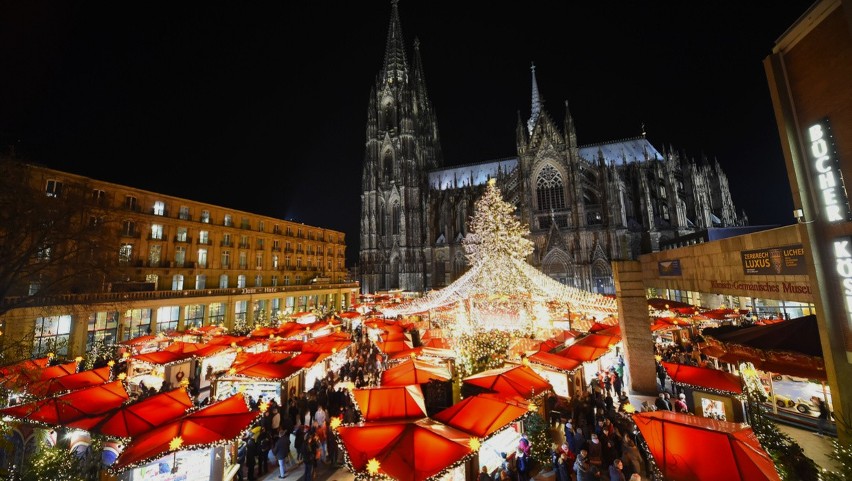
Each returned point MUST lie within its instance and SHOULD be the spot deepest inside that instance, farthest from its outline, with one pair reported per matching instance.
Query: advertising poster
(775, 261)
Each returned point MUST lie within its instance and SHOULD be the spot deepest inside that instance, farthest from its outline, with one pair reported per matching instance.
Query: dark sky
(261, 106)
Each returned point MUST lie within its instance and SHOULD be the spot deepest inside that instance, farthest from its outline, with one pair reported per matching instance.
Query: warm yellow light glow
(232, 371)
(111, 363)
(532, 407)
(629, 409)
(234, 344)
(373, 466)
(50, 355)
(333, 350)
(175, 443)
(658, 358)
(122, 376)
(525, 361)
(79, 359)
(263, 406)
(242, 388)
(184, 382)
(125, 355)
(350, 385)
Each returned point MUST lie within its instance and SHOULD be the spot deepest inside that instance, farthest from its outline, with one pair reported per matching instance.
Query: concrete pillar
(635, 328)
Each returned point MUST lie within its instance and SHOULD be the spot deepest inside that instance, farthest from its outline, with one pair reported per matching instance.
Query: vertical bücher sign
(827, 179)
(775, 261)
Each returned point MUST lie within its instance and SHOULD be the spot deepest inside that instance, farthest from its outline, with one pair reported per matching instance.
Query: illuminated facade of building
(186, 264)
(585, 205)
(808, 73)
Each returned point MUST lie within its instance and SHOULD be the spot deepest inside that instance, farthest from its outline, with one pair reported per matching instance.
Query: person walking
(615, 471)
(822, 420)
(282, 452)
(310, 450)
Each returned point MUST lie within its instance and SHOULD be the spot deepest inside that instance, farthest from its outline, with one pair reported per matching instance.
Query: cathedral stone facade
(585, 205)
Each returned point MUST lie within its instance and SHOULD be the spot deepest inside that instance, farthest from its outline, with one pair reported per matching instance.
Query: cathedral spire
(536, 102)
(395, 68)
(570, 131)
(419, 77)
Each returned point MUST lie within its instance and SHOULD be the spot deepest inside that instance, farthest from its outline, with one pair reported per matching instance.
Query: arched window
(380, 219)
(397, 218)
(550, 192)
(602, 279)
(387, 165)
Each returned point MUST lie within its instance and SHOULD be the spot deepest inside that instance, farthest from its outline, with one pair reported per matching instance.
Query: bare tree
(52, 242)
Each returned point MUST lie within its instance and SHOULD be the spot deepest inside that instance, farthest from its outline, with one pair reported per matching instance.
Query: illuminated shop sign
(828, 179)
(843, 267)
(775, 261)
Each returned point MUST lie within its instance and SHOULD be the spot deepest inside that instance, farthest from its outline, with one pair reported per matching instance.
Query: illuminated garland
(710, 390)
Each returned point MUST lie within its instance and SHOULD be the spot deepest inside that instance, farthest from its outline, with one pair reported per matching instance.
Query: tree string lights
(501, 291)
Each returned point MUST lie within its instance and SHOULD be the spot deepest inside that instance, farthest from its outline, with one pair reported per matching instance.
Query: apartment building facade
(184, 264)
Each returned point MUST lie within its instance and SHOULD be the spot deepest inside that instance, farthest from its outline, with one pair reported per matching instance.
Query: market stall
(728, 451)
(198, 446)
(710, 393)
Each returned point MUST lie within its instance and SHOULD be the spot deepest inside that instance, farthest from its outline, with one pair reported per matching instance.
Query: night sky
(262, 106)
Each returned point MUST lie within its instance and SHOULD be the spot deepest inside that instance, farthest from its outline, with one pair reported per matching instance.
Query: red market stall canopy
(393, 347)
(424, 351)
(29, 372)
(70, 382)
(555, 361)
(349, 315)
(511, 381)
(218, 423)
(599, 340)
(414, 371)
(703, 449)
(398, 448)
(390, 402)
(599, 326)
(660, 304)
(62, 410)
(29, 369)
(267, 370)
(482, 415)
(702, 377)
(789, 347)
(137, 418)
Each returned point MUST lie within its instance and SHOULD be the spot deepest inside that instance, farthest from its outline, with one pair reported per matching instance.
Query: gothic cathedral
(585, 205)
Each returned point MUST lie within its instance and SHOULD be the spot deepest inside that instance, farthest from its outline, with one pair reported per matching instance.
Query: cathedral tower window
(387, 165)
(396, 218)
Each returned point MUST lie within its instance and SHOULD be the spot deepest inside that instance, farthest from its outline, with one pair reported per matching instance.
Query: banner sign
(669, 268)
(775, 261)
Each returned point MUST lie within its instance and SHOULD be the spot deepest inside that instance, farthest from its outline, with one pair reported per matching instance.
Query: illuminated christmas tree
(495, 232)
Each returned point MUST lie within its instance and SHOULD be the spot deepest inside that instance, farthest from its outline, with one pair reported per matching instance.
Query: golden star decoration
(373, 466)
(175, 443)
(474, 443)
(335, 422)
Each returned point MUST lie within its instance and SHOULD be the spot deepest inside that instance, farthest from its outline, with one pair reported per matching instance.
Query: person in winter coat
(615, 471)
(309, 451)
(563, 468)
(584, 468)
(282, 451)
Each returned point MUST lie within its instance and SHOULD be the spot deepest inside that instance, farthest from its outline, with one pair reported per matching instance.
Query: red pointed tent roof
(399, 448)
(390, 402)
(512, 381)
(70, 382)
(728, 451)
(16, 376)
(393, 347)
(599, 326)
(137, 418)
(583, 352)
(599, 340)
(217, 423)
(555, 361)
(162, 357)
(482, 415)
(414, 371)
(61, 410)
(21, 377)
(704, 377)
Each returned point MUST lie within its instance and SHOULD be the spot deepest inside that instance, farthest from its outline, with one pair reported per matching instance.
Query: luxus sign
(829, 181)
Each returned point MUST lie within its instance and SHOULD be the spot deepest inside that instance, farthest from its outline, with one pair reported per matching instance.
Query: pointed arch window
(396, 218)
(387, 166)
(549, 189)
(380, 221)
